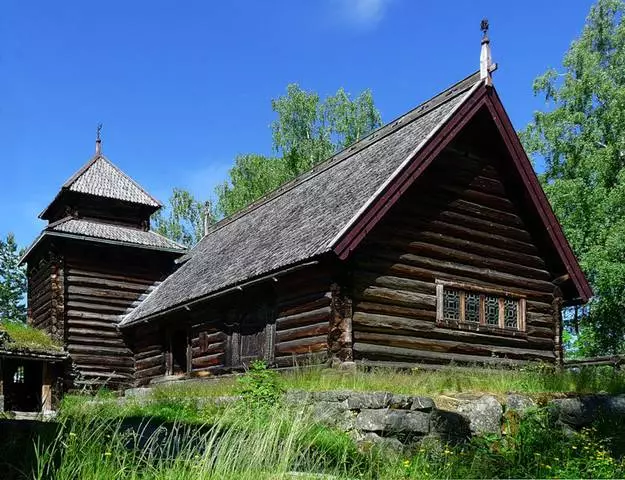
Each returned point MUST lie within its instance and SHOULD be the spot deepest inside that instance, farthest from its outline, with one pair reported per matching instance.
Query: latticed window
(471, 307)
(474, 307)
(451, 305)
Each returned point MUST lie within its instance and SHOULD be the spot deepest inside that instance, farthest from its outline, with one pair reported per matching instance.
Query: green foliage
(260, 387)
(580, 138)
(25, 337)
(251, 177)
(12, 281)
(307, 130)
(185, 220)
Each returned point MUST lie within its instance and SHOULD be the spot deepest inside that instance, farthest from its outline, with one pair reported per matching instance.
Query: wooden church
(428, 242)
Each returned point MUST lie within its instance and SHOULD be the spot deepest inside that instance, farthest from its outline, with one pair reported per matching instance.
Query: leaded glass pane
(511, 313)
(451, 305)
(492, 310)
(471, 307)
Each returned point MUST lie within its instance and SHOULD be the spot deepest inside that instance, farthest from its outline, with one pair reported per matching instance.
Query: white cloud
(362, 13)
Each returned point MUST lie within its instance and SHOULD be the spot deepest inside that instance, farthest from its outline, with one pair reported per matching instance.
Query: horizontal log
(93, 324)
(212, 348)
(150, 362)
(109, 284)
(305, 318)
(451, 346)
(98, 350)
(313, 330)
(95, 359)
(365, 351)
(452, 229)
(137, 278)
(94, 331)
(149, 373)
(387, 324)
(305, 345)
(363, 279)
(398, 297)
(214, 337)
(103, 292)
(97, 307)
(94, 340)
(104, 317)
(484, 274)
(208, 360)
(466, 257)
(395, 310)
(306, 304)
(153, 352)
(390, 264)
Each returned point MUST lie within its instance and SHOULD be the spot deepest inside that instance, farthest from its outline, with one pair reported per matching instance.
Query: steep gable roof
(101, 178)
(302, 219)
(334, 206)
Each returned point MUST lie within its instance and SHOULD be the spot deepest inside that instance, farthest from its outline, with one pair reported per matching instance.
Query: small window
(479, 308)
(18, 375)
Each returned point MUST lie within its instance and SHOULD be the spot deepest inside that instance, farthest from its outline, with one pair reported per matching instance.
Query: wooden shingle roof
(85, 229)
(101, 178)
(304, 218)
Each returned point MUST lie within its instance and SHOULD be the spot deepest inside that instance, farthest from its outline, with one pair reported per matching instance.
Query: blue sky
(182, 87)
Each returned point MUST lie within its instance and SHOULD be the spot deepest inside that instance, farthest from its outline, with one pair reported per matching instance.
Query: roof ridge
(417, 112)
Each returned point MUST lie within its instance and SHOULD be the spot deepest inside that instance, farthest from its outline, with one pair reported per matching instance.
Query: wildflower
(574, 447)
(406, 463)
(447, 452)
(72, 434)
(107, 454)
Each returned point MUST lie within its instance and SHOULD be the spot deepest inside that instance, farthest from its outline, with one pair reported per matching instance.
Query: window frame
(501, 294)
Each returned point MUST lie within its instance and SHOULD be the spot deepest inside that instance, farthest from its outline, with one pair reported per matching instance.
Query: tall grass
(272, 444)
(281, 444)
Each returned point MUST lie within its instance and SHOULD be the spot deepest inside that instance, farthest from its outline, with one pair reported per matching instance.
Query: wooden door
(253, 340)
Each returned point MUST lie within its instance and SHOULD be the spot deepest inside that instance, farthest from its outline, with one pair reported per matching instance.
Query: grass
(538, 381)
(276, 443)
(25, 337)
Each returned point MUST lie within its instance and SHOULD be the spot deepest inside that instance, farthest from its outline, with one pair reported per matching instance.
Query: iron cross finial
(484, 26)
(98, 132)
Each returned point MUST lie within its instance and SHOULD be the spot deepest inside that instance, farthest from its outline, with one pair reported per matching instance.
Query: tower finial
(486, 65)
(98, 140)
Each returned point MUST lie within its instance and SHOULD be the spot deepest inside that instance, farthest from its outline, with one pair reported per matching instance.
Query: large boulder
(393, 422)
(484, 414)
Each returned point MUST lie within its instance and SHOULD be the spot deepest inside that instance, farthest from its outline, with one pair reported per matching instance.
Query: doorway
(178, 353)
(22, 380)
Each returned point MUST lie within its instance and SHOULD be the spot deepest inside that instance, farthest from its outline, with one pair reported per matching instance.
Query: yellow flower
(406, 463)
(447, 452)
(107, 454)
(72, 434)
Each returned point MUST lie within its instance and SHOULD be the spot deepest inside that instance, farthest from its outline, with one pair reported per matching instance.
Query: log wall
(458, 222)
(303, 312)
(101, 285)
(46, 292)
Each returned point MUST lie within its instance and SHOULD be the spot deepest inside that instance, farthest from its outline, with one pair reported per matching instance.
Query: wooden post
(46, 388)
(557, 320)
(340, 337)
